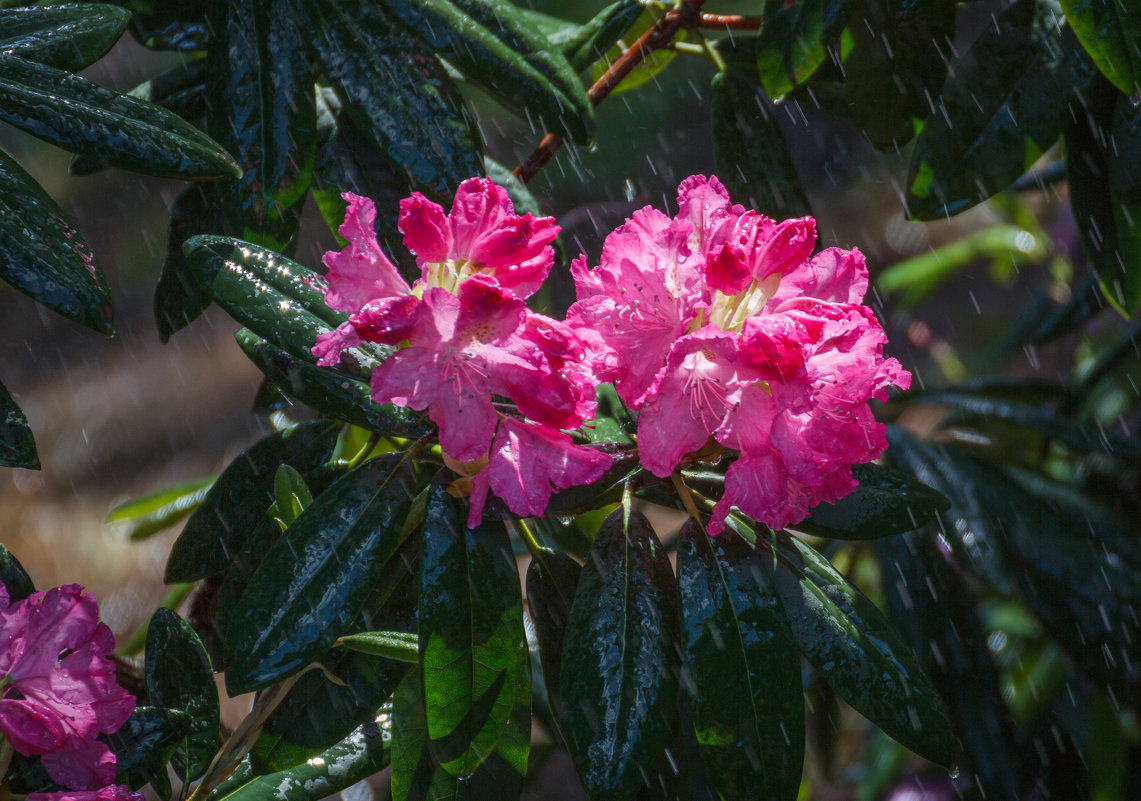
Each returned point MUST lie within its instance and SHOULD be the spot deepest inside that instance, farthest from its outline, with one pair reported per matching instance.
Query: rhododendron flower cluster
(720, 323)
(58, 690)
(465, 335)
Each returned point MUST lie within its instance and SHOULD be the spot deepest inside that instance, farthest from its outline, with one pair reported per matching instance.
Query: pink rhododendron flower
(113, 792)
(464, 336)
(720, 323)
(57, 688)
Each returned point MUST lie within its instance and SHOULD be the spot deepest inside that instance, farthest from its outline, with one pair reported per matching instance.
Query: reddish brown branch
(658, 36)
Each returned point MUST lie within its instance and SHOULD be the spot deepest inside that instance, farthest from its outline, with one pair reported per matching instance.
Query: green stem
(6, 752)
(177, 594)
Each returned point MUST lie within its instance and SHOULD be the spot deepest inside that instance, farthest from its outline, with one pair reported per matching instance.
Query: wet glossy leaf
(585, 44)
(399, 98)
(179, 295)
(885, 503)
(402, 646)
(17, 446)
(646, 69)
(66, 36)
(620, 662)
(330, 391)
(170, 24)
(473, 652)
(120, 130)
(162, 508)
(263, 111)
(146, 742)
(44, 256)
(742, 668)
(315, 579)
(239, 498)
(1110, 30)
(858, 653)
(796, 39)
(551, 582)
(179, 676)
(750, 152)
(493, 44)
(17, 582)
(1007, 101)
(364, 752)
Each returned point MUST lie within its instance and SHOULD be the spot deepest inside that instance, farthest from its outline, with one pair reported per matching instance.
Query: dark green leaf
(750, 152)
(399, 645)
(162, 508)
(620, 663)
(120, 130)
(17, 446)
(496, 46)
(262, 109)
(329, 391)
(1124, 155)
(400, 99)
(650, 66)
(179, 296)
(1110, 30)
(741, 667)
(885, 503)
(170, 24)
(17, 583)
(179, 676)
(472, 649)
(585, 44)
(315, 579)
(146, 742)
(364, 752)
(551, 582)
(1005, 103)
(859, 654)
(66, 36)
(796, 38)
(239, 498)
(43, 255)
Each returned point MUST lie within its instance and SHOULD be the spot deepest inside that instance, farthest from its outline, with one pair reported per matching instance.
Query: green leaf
(473, 652)
(162, 508)
(399, 645)
(620, 665)
(179, 296)
(646, 69)
(44, 256)
(239, 498)
(551, 581)
(364, 752)
(796, 39)
(69, 37)
(741, 668)
(389, 89)
(120, 130)
(146, 742)
(17, 446)
(263, 111)
(494, 44)
(16, 580)
(179, 676)
(290, 496)
(315, 579)
(1110, 31)
(1005, 103)
(329, 391)
(886, 502)
(750, 152)
(584, 44)
(858, 653)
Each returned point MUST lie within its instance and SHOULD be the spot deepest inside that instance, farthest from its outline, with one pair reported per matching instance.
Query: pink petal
(833, 274)
(479, 206)
(115, 792)
(361, 271)
(3, 597)
(387, 320)
(704, 204)
(331, 343)
(789, 245)
(727, 269)
(31, 727)
(60, 619)
(518, 252)
(466, 419)
(425, 228)
(87, 767)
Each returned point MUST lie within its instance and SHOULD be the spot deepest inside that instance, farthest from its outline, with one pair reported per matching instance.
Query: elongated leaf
(66, 36)
(858, 653)
(398, 645)
(315, 579)
(750, 152)
(795, 40)
(238, 500)
(179, 676)
(585, 44)
(1007, 101)
(120, 130)
(1110, 30)
(364, 752)
(331, 392)
(473, 653)
(146, 742)
(496, 46)
(17, 582)
(170, 24)
(390, 90)
(741, 668)
(44, 256)
(619, 665)
(885, 503)
(551, 582)
(649, 67)
(263, 111)
(17, 446)
(179, 296)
